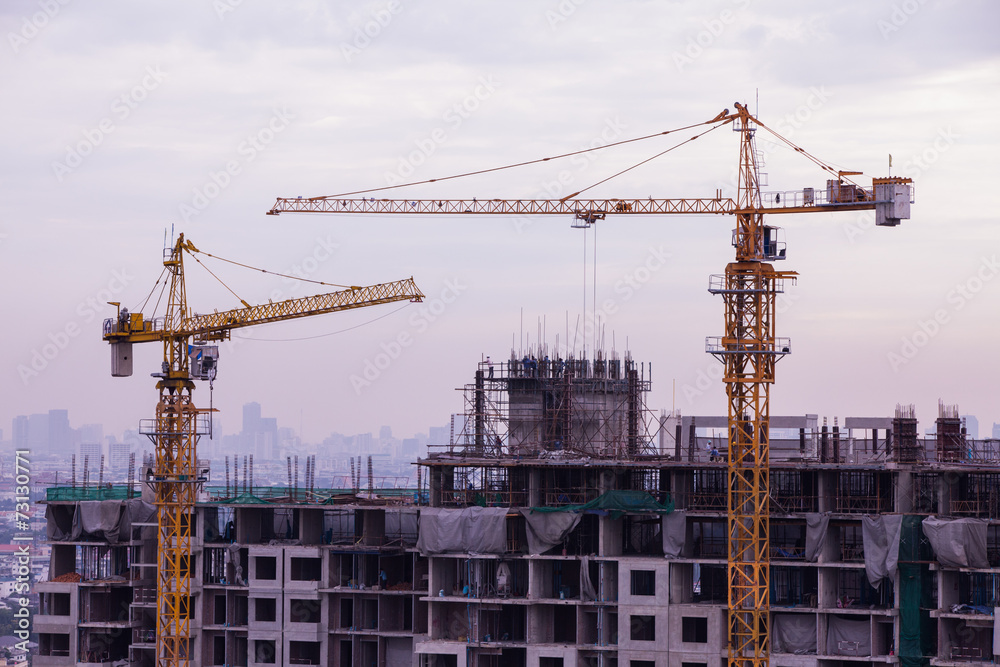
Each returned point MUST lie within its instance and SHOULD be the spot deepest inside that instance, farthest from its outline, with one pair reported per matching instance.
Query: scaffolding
(537, 407)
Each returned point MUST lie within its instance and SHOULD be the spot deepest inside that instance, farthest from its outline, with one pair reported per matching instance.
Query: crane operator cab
(773, 246)
(204, 361)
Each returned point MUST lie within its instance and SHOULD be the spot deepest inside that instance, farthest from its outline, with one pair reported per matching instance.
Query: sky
(127, 123)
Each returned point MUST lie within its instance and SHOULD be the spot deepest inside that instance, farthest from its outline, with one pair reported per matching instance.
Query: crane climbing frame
(178, 423)
(748, 349)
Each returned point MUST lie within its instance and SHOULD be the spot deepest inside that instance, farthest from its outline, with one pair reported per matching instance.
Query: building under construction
(565, 524)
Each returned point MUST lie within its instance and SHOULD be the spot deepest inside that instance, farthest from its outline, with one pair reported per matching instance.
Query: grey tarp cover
(468, 530)
(109, 520)
(673, 533)
(98, 518)
(58, 525)
(880, 536)
(793, 633)
(548, 529)
(848, 636)
(957, 542)
(816, 525)
(587, 591)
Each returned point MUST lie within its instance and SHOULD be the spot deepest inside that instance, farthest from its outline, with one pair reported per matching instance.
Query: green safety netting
(244, 499)
(916, 628)
(617, 503)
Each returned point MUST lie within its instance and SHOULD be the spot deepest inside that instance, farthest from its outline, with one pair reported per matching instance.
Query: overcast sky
(124, 121)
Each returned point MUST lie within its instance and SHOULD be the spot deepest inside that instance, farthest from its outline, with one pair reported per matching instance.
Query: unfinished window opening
(267, 567)
(694, 629)
(55, 604)
(338, 527)
(53, 644)
(854, 591)
(792, 491)
(641, 535)
(264, 651)
(642, 663)
(504, 623)
(788, 540)
(695, 664)
(925, 493)
(550, 662)
(265, 610)
(642, 628)
(103, 562)
(864, 491)
(303, 653)
(286, 524)
(346, 612)
(709, 490)
(241, 610)
(564, 630)
(306, 569)
(709, 536)
(304, 611)
(852, 548)
(793, 586)
(710, 583)
(214, 560)
(219, 650)
(977, 496)
(219, 615)
(643, 582)
(979, 590)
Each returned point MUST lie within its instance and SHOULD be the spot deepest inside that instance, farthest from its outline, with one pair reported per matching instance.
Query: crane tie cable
(722, 119)
(638, 164)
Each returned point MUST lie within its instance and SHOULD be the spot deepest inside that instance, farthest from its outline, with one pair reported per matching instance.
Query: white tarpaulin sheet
(548, 529)
(957, 542)
(673, 530)
(848, 636)
(109, 520)
(793, 633)
(816, 528)
(478, 530)
(880, 536)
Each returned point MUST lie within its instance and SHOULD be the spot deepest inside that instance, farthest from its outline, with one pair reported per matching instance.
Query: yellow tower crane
(748, 349)
(178, 423)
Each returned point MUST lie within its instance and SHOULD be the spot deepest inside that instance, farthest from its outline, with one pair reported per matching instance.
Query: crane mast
(748, 348)
(178, 424)
(748, 351)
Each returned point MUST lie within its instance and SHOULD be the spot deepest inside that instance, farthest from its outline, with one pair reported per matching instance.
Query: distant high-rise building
(89, 456)
(438, 435)
(38, 434)
(996, 431)
(971, 426)
(251, 417)
(385, 433)
(60, 435)
(91, 433)
(118, 454)
(19, 432)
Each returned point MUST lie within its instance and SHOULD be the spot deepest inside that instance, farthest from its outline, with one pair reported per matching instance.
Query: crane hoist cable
(722, 118)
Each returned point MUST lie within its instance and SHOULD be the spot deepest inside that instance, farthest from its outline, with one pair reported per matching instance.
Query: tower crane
(748, 348)
(187, 357)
